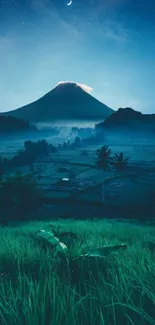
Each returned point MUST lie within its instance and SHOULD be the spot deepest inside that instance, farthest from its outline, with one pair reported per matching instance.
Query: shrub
(19, 196)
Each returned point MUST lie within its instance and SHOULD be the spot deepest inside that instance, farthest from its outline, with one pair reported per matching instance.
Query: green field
(35, 289)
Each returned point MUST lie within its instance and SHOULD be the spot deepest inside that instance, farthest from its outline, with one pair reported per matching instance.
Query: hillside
(10, 124)
(66, 101)
(128, 120)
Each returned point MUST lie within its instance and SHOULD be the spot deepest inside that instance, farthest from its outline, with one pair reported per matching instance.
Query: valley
(72, 179)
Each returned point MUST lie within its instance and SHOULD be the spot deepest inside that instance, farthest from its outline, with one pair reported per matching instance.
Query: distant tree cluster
(80, 142)
(49, 131)
(28, 155)
(87, 136)
(77, 143)
(96, 138)
(82, 132)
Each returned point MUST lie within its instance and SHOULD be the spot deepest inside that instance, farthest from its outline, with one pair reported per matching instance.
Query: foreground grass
(35, 290)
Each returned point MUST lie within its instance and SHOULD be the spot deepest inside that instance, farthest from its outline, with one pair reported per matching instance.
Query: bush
(19, 197)
(37, 149)
(32, 151)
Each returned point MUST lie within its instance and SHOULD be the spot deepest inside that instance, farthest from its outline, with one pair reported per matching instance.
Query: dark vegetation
(49, 130)
(19, 198)
(106, 161)
(31, 152)
(10, 125)
(82, 142)
(82, 132)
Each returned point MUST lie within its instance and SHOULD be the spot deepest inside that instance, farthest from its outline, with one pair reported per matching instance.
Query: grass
(37, 290)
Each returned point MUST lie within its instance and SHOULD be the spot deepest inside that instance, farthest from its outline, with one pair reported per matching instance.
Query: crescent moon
(70, 2)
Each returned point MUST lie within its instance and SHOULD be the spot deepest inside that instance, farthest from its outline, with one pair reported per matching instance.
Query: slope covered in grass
(35, 289)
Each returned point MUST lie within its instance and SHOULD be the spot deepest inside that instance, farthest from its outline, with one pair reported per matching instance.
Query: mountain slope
(66, 101)
(10, 124)
(128, 120)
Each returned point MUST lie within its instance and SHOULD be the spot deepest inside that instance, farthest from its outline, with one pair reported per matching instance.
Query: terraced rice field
(124, 190)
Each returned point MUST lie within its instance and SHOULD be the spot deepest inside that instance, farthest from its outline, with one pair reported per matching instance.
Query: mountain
(66, 101)
(12, 125)
(127, 120)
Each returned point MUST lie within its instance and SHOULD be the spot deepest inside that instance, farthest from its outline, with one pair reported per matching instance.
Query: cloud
(86, 88)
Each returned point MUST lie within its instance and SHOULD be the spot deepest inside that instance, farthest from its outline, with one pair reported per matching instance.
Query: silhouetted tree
(64, 144)
(104, 159)
(52, 148)
(75, 130)
(120, 162)
(36, 149)
(77, 141)
(104, 162)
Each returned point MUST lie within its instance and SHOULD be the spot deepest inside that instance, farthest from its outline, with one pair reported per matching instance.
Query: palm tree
(120, 162)
(104, 162)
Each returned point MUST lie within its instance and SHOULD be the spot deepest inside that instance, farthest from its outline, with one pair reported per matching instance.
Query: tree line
(28, 155)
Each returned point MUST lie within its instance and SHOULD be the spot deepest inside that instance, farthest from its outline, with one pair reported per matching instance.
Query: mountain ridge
(128, 120)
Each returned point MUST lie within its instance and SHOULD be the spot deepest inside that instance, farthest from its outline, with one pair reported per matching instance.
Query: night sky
(108, 45)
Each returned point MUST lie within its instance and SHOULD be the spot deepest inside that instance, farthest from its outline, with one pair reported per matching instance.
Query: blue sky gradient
(105, 44)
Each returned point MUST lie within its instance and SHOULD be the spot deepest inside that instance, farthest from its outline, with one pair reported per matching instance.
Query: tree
(77, 141)
(104, 159)
(75, 130)
(36, 149)
(120, 162)
(19, 196)
(52, 148)
(104, 162)
(64, 144)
